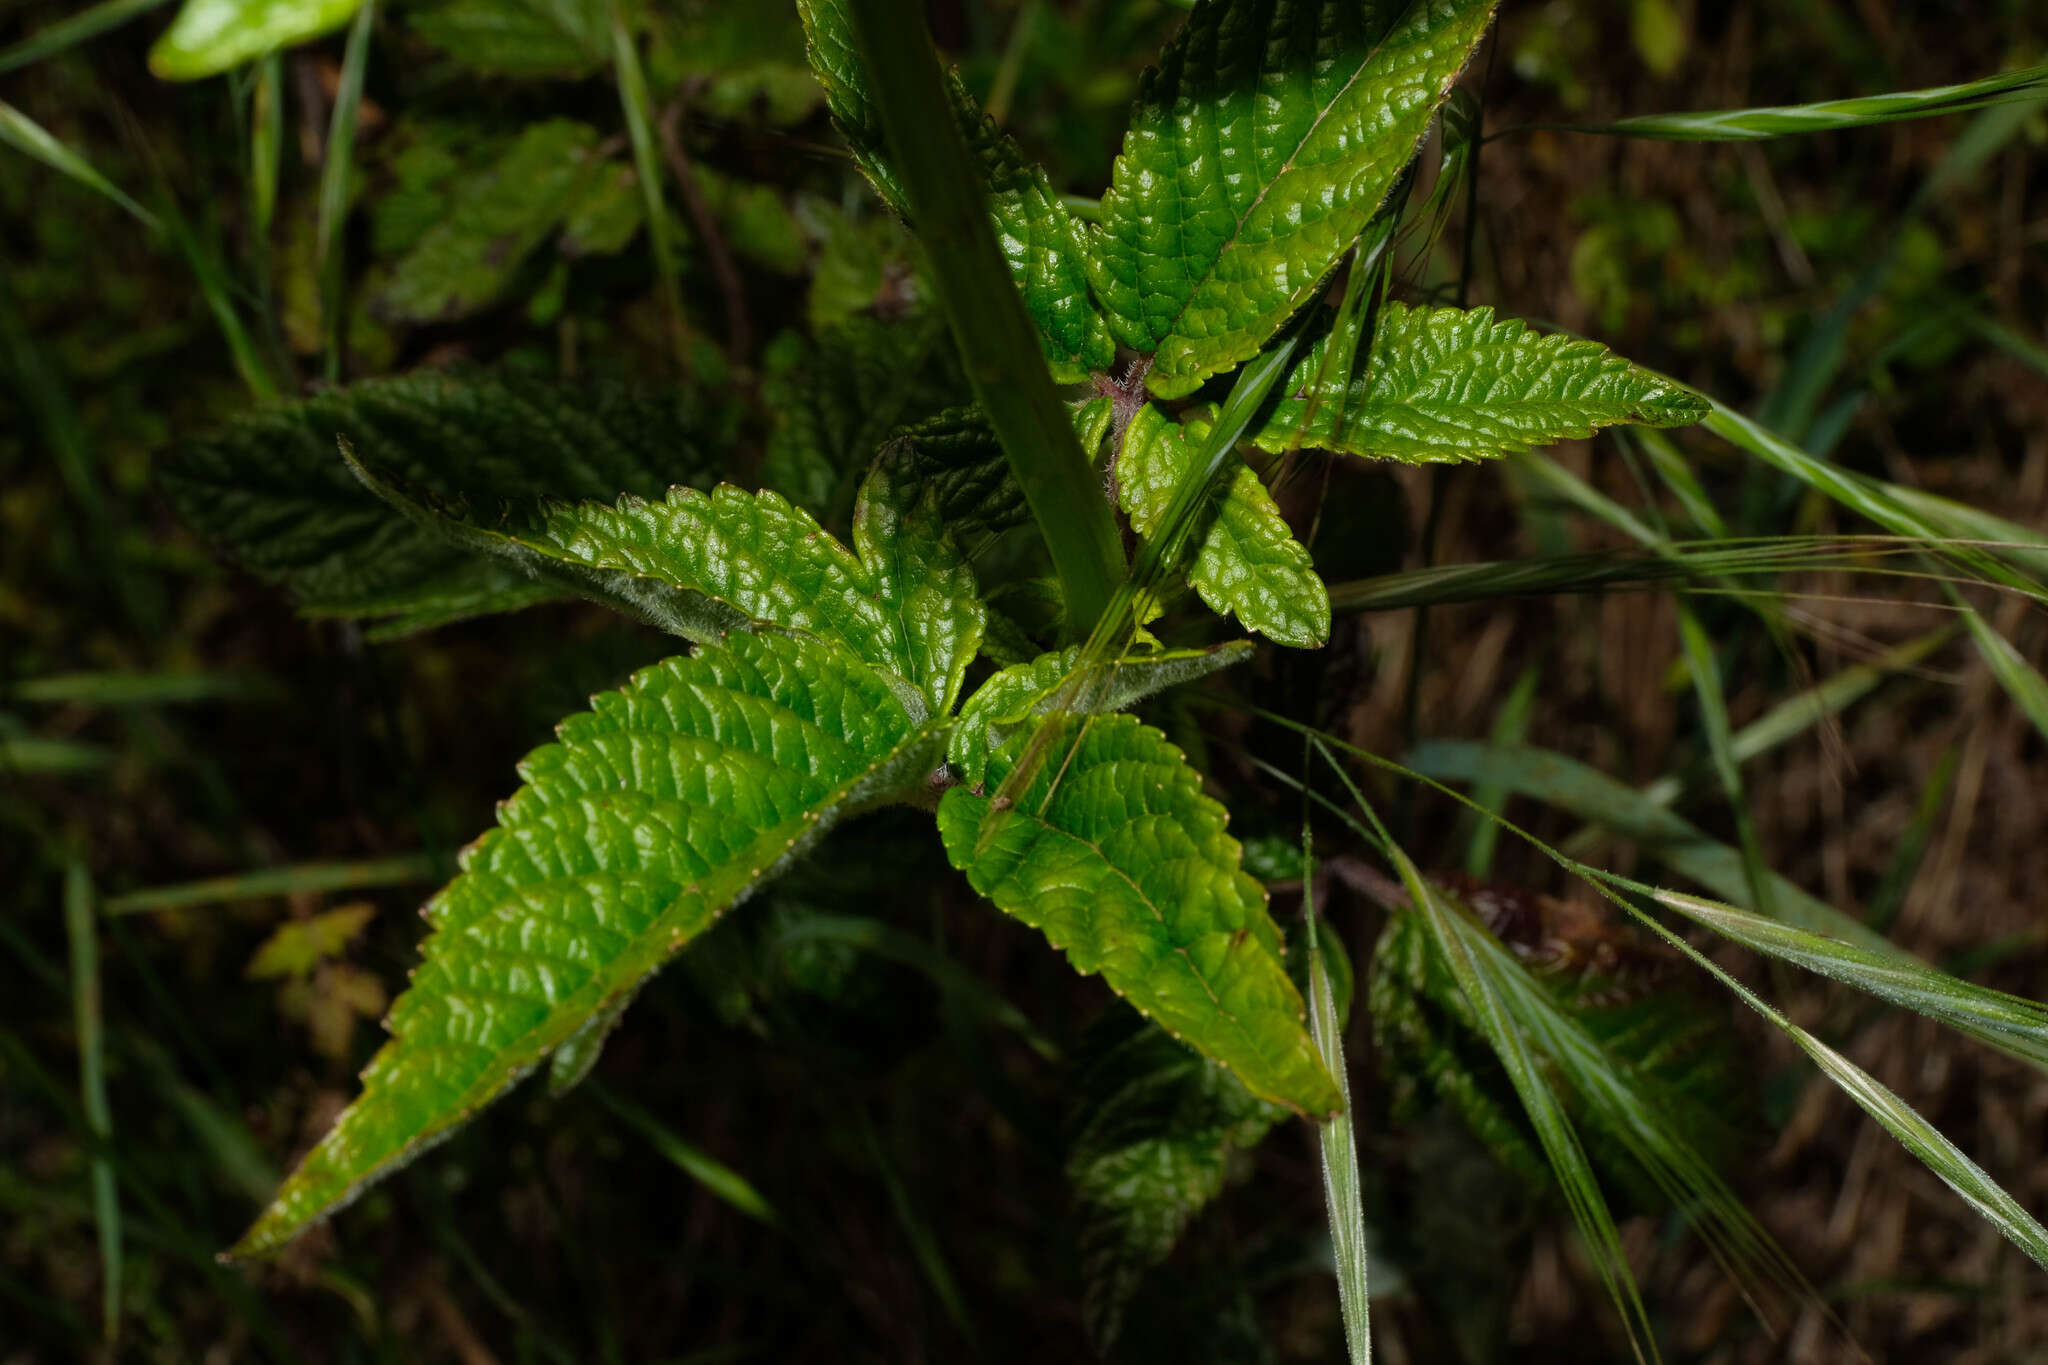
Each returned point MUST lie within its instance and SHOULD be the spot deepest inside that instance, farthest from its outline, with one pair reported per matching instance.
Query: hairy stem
(998, 346)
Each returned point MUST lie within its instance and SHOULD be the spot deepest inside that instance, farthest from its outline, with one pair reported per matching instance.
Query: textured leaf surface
(837, 397)
(1452, 384)
(1012, 696)
(1247, 562)
(700, 564)
(665, 804)
(1155, 1133)
(212, 36)
(1157, 1127)
(272, 491)
(494, 220)
(1124, 864)
(1033, 227)
(957, 454)
(530, 39)
(1267, 137)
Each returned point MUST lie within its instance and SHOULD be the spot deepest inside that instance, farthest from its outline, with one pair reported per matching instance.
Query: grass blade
(1890, 896)
(1594, 797)
(141, 689)
(83, 934)
(1914, 1133)
(2018, 677)
(411, 869)
(2018, 1025)
(637, 107)
(1337, 1142)
(713, 1174)
(25, 135)
(1510, 726)
(1705, 670)
(31, 756)
(68, 33)
(998, 343)
(2027, 85)
(266, 143)
(335, 170)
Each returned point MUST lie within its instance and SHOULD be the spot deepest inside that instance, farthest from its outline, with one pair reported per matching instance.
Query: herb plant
(1126, 383)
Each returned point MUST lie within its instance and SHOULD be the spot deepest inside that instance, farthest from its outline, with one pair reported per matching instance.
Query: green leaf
(957, 454)
(496, 217)
(1155, 1130)
(668, 802)
(271, 490)
(700, 565)
(1267, 137)
(835, 399)
(212, 36)
(1124, 864)
(1013, 696)
(1035, 230)
(2027, 85)
(1450, 384)
(1248, 563)
(525, 39)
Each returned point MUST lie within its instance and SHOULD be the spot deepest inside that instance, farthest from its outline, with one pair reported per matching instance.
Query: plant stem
(998, 345)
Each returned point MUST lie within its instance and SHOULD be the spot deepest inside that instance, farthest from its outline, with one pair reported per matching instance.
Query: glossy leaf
(1124, 864)
(1455, 384)
(1264, 141)
(272, 490)
(1247, 562)
(496, 216)
(1033, 227)
(212, 36)
(700, 565)
(1012, 697)
(739, 758)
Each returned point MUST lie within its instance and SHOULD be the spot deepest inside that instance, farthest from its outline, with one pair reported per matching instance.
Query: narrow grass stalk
(637, 107)
(1510, 726)
(25, 135)
(68, 33)
(1337, 1142)
(410, 869)
(335, 170)
(80, 928)
(141, 689)
(713, 1174)
(998, 344)
(1705, 671)
(1890, 896)
(34, 756)
(2028, 85)
(266, 143)
(1510, 1043)
(2021, 681)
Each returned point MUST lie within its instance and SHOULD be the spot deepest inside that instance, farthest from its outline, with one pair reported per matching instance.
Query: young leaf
(1248, 564)
(496, 217)
(1261, 145)
(957, 454)
(1454, 384)
(212, 36)
(700, 565)
(271, 490)
(1036, 232)
(1124, 864)
(667, 803)
(1013, 696)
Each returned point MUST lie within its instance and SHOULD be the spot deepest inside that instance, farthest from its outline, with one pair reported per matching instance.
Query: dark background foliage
(912, 1148)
